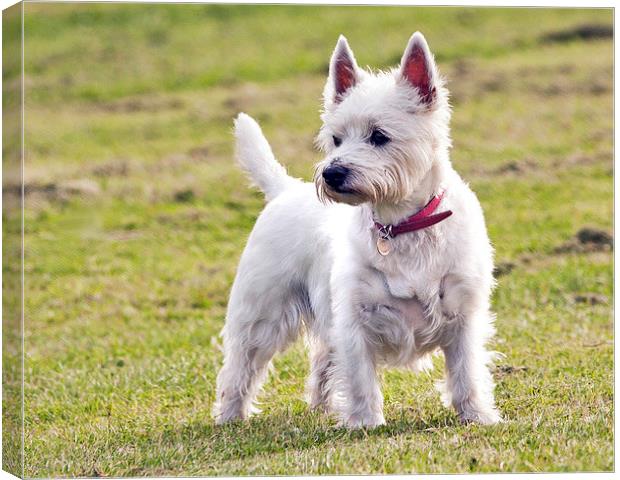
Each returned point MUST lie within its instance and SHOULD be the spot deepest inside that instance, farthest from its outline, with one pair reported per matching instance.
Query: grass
(127, 273)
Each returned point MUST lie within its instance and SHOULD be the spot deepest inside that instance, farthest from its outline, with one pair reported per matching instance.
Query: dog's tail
(255, 157)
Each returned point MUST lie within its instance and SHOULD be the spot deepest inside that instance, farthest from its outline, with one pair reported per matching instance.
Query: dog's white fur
(311, 260)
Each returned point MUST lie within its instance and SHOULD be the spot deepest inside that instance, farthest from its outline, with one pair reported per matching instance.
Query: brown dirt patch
(586, 240)
(83, 187)
(591, 31)
(503, 268)
(142, 104)
(591, 298)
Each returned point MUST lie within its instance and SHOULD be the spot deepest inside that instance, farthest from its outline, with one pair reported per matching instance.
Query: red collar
(424, 218)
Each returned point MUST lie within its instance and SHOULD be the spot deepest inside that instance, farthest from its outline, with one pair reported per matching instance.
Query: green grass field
(136, 217)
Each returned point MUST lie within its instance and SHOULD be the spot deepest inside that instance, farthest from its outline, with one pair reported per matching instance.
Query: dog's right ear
(343, 73)
(418, 68)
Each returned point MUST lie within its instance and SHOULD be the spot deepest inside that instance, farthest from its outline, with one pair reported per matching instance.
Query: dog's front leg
(469, 384)
(358, 399)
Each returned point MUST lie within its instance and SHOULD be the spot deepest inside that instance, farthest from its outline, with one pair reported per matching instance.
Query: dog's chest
(412, 268)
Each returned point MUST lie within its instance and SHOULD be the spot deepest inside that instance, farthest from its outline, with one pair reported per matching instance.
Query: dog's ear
(343, 73)
(417, 67)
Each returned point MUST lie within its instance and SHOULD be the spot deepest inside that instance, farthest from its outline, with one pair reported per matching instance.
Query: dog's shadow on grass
(278, 432)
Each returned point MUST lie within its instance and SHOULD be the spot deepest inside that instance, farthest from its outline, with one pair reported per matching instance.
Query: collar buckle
(385, 231)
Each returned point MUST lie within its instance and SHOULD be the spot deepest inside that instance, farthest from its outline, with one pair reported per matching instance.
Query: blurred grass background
(136, 217)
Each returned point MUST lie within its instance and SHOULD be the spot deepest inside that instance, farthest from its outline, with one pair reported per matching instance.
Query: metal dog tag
(384, 246)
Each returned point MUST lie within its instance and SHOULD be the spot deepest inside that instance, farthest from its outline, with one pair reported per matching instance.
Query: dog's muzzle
(335, 177)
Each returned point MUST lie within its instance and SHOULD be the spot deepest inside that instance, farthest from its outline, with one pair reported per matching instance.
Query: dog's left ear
(343, 73)
(417, 67)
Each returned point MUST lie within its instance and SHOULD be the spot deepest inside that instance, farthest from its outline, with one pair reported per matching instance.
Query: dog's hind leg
(320, 366)
(251, 339)
(321, 353)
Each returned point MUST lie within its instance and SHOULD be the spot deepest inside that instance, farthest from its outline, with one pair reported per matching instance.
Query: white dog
(388, 263)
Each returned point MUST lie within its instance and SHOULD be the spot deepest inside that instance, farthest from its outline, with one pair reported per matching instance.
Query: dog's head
(381, 131)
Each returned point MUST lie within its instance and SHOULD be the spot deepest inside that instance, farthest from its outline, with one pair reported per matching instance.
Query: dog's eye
(337, 140)
(378, 138)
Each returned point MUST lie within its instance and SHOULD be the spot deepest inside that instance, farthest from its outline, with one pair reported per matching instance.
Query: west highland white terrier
(382, 261)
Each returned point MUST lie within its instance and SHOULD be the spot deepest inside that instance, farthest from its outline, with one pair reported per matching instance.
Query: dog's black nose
(335, 176)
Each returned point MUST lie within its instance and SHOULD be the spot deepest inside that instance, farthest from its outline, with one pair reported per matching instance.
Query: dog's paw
(483, 417)
(319, 407)
(225, 416)
(355, 422)
(231, 413)
(223, 420)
